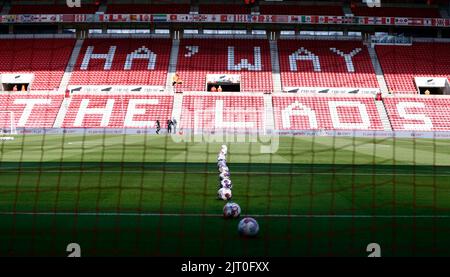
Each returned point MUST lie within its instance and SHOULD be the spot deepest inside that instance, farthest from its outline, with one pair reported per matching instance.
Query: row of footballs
(247, 226)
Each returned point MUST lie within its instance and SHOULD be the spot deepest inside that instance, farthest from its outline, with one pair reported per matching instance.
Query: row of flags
(231, 18)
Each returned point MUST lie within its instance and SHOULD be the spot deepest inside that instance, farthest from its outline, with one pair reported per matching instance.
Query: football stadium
(228, 128)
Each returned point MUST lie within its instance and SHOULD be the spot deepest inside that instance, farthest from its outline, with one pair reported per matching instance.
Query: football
(221, 164)
(221, 157)
(248, 227)
(224, 175)
(224, 194)
(231, 210)
(224, 169)
(224, 149)
(226, 183)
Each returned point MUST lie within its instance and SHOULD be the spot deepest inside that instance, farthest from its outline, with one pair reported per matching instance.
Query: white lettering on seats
(84, 110)
(220, 123)
(347, 57)
(141, 53)
(244, 63)
(133, 110)
(303, 54)
(427, 123)
(29, 105)
(88, 56)
(191, 50)
(298, 109)
(338, 124)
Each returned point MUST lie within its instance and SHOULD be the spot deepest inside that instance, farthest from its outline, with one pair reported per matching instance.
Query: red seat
(236, 112)
(52, 9)
(223, 9)
(212, 58)
(402, 63)
(45, 58)
(160, 110)
(327, 113)
(147, 8)
(301, 10)
(43, 112)
(334, 70)
(139, 72)
(418, 113)
(395, 12)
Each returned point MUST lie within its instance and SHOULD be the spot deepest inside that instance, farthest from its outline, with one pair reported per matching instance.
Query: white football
(224, 175)
(224, 194)
(221, 164)
(224, 149)
(248, 227)
(231, 210)
(221, 157)
(226, 183)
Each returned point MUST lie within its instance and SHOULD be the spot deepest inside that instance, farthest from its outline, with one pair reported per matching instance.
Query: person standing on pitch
(174, 123)
(169, 126)
(158, 127)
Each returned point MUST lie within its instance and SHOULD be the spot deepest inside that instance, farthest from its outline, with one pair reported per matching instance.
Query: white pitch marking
(218, 215)
(15, 170)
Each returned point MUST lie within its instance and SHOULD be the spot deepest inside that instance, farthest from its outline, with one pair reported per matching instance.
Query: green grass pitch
(129, 195)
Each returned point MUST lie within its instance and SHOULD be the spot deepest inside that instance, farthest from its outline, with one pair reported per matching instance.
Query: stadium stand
(118, 111)
(224, 9)
(45, 58)
(401, 64)
(130, 61)
(30, 111)
(320, 63)
(250, 59)
(52, 9)
(396, 12)
(285, 9)
(327, 113)
(147, 8)
(422, 113)
(208, 112)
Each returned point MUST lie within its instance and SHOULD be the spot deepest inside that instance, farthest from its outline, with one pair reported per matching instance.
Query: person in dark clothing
(158, 127)
(169, 126)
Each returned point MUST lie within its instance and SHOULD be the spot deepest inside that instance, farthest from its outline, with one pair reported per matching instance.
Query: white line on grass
(447, 174)
(135, 214)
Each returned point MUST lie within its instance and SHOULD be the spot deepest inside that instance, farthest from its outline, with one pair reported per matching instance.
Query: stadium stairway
(269, 121)
(172, 63)
(383, 115)
(177, 107)
(70, 66)
(65, 82)
(378, 70)
(62, 113)
(276, 77)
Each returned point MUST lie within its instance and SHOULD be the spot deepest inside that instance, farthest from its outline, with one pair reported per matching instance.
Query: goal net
(7, 124)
